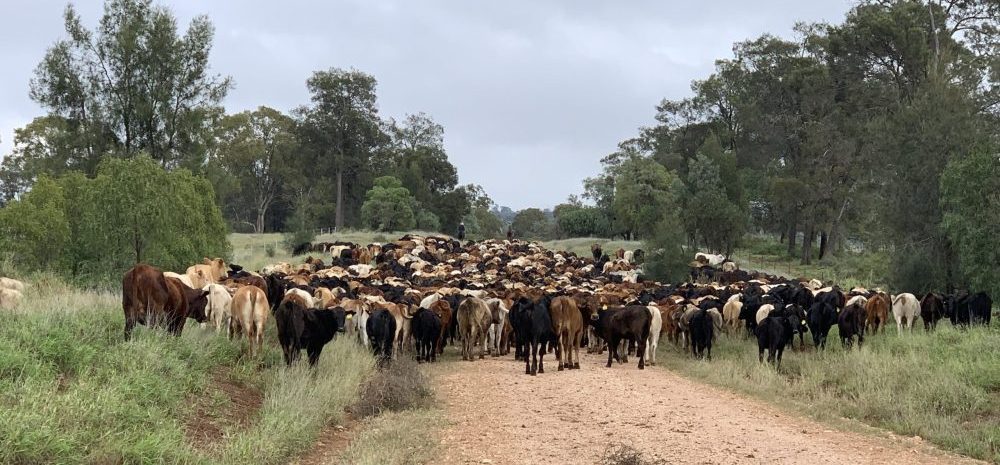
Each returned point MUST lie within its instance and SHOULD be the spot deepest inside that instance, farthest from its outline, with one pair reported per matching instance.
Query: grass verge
(397, 438)
(943, 386)
(848, 269)
(72, 391)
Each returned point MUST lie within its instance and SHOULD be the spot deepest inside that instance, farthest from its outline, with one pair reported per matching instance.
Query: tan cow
(218, 310)
(249, 314)
(209, 272)
(567, 323)
(474, 319)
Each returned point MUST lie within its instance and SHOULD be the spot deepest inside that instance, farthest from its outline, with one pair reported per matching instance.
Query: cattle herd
(418, 294)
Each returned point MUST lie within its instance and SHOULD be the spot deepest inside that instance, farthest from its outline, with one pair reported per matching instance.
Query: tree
(342, 131)
(532, 223)
(643, 191)
(133, 84)
(709, 215)
(34, 231)
(972, 218)
(255, 147)
(584, 222)
(389, 206)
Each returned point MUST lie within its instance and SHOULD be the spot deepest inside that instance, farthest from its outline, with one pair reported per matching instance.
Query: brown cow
(877, 312)
(151, 299)
(249, 314)
(443, 311)
(567, 323)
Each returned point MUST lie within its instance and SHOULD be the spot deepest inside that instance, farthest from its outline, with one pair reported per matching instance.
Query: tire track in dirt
(499, 415)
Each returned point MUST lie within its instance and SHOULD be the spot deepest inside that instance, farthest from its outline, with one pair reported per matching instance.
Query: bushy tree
(584, 222)
(34, 231)
(427, 221)
(666, 259)
(532, 223)
(389, 206)
(710, 218)
(643, 193)
(969, 198)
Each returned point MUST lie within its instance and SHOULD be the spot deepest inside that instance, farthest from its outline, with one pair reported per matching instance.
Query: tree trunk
(781, 240)
(834, 239)
(791, 239)
(808, 237)
(339, 221)
(822, 245)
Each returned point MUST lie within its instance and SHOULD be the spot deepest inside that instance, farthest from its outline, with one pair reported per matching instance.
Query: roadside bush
(269, 250)
(624, 454)
(397, 387)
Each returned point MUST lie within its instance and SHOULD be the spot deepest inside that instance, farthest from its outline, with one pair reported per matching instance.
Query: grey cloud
(531, 94)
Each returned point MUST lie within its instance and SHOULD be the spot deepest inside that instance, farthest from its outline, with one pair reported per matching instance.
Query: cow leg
(527, 361)
(640, 350)
(541, 356)
(129, 325)
(612, 346)
(534, 358)
(314, 354)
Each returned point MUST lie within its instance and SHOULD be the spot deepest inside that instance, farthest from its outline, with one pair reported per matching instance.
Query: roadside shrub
(380, 238)
(397, 387)
(624, 454)
(269, 250)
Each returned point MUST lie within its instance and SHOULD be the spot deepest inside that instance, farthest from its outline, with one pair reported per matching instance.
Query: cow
(10, 298)
(821, 317)
(381, 330)
(444, 313)
(717, 324)
(304, 297)
(965, 309)
(426, 332)
(532, 324)
(931, 310)
(218, 309)
(474, 319)
(182, 277)
(567, 324)
(763, 312)
(700, 328)
(596, 251)
(498, 314)
(208, 272)
(905, 308)
(731, 312)
(11, 283)
(796, 317)
(617, 324)
(851, 323)
(249, 315)
(655, 328)
(773, 334)
(305, 328)
(877, 312)
(151, 299)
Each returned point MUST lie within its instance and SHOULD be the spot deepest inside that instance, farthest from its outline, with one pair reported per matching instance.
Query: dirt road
(498, 415)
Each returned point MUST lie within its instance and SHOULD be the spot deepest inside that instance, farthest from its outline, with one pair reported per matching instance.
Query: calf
(905, 308)
(701, 330)
(381, 331)
(567, 324)
(821, 317)
(877, 312)
(532, 323)
(218, 308)
(773, 333)
(474, 319)
(498, 315)
(444, 313)
(426, 332)
(249, 315)
(851, 323)
(303, 328)
(931, 310)
(617, 324)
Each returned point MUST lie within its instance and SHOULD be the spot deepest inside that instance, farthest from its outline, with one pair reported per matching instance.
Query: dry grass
(250, 250)
(624, 454)
(397, 438)
(397, 387)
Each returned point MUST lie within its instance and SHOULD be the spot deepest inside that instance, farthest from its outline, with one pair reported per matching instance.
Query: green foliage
(132, 211)
(389, 206)
(969, 198)
(532, 223)
(710, 217)
(35, 232)
(269, 250)
(584, 222)
(134, 85)
(427, 221)
(666, 260)
(643, 197)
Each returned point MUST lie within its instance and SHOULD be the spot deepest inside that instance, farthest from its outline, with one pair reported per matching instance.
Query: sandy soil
(499, 415)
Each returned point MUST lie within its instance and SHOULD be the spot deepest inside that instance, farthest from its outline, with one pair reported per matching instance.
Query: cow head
(197, 300)
(340, 318)
(218, 267)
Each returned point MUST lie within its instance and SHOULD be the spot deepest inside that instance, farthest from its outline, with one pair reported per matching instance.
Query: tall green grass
(72, 391)
(942, 386)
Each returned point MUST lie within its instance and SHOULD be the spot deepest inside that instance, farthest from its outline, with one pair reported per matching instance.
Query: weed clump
(625, 454)
(398, 386)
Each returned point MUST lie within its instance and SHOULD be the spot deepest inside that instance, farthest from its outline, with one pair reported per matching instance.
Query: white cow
(763, 312)
(218, 309)
(13, 284)
(310, 302)
(905, 308)
(655, 326)
(499, 312)
(9, 298)
(182, 277)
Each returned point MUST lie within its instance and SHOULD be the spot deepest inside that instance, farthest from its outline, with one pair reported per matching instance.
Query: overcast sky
(531, 93)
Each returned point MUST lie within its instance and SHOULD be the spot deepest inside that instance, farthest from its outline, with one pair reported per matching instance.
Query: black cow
(381, 329)
(796, 317)
(965, 309)
(426, 327)
(276, 287)
(700, 328)
(616, 324)
(773, 334)
(821, 317)
(851, 322)
(931, 310)
(302, 328)
(533, 325)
